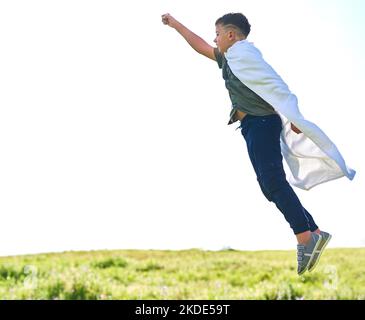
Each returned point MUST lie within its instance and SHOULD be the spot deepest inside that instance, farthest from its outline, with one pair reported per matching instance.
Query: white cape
(311, 156)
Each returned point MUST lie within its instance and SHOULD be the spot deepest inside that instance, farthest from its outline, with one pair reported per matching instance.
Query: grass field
(190, 274)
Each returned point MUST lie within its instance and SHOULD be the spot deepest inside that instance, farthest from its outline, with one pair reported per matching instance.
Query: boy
(262, 103)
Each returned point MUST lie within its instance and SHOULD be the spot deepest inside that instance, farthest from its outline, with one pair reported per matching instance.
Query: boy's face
(224, 39)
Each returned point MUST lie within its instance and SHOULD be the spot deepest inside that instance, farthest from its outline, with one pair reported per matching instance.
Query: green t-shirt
(242, 98)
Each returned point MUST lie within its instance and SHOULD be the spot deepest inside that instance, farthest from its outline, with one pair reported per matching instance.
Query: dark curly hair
(237, 20)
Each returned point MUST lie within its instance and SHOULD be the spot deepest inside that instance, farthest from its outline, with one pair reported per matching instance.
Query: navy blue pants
(262, 135)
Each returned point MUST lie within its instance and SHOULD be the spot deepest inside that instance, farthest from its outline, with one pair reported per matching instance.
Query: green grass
(189, 274)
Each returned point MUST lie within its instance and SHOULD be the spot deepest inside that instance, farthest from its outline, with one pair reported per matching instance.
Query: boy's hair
(237, 21)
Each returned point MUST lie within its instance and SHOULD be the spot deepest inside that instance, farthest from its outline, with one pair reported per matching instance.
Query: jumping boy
(269, 115)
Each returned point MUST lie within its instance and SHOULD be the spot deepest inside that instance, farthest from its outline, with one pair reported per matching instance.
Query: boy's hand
(197, 43)
(169, 20)
(295, 129)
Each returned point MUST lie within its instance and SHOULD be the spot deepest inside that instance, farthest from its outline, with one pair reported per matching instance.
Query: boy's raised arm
(197, 43)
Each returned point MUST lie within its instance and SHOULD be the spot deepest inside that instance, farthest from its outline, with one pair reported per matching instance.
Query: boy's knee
(271, 185)
(264, 191)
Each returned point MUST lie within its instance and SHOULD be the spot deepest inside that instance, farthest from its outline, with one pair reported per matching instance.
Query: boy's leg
(262, 135)
(312, 224)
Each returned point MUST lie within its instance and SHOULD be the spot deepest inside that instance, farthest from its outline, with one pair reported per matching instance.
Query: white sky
(113, 130)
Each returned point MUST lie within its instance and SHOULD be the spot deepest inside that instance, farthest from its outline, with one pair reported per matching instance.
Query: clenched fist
(169, 20)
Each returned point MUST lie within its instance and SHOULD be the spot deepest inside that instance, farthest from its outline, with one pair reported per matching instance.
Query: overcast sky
(113, 130)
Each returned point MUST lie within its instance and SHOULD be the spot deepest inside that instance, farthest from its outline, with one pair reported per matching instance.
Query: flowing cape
(311, 156)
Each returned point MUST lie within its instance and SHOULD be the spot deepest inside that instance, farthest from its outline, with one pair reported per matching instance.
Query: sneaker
(326, 237)
(306, 253)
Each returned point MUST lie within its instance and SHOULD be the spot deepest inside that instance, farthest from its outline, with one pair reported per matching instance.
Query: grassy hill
(190, 274)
